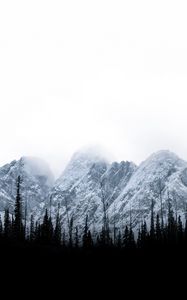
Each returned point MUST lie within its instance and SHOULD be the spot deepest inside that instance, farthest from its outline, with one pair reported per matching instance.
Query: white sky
(74, 73)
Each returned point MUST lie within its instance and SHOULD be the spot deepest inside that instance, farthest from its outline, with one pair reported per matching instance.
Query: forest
(45, 248)
(15, 230)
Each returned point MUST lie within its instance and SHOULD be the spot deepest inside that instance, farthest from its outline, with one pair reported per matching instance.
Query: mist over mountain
(37, 180)
(89, 179)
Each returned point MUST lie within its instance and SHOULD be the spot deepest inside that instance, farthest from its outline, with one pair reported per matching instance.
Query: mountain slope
(89, 179)
(78, 190)
(162, 176)
(37, 180)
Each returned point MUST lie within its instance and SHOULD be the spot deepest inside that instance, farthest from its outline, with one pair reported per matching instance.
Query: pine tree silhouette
(152, 227)
(46, 229)
(180, 233)
(185, 233)
(171, 229)
(139, 239)
(57, 231)
(85, 235)
(89, 240)
(144, 234)
(1, 227)
(70, 232)
(32, 232)
(119, 243)
(7, 224)
(126, 237)
(76, 237)
(132, 243)
(158, 230)
(18, 225)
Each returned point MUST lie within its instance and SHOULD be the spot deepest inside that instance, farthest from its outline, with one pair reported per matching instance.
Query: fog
(78, 73)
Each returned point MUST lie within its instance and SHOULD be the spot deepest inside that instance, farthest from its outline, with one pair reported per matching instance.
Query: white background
(74, 73)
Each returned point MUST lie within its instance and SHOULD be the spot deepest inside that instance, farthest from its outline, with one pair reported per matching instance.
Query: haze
(76, 73)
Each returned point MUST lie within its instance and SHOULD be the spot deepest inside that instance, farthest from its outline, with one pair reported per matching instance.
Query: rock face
(89, 180)
(161, 178)
(127, 190)
(37, 180)
(85, 181)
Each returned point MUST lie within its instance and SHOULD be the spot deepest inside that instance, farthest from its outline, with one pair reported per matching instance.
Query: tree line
(14, 228)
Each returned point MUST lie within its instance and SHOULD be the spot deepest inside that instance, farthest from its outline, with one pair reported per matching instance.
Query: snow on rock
(162, 176)
(89, 178)
(78, 190)
(37, 180)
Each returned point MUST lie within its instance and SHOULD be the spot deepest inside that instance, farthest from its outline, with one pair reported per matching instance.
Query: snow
(37, 180)
(125, 187)
(163, 169)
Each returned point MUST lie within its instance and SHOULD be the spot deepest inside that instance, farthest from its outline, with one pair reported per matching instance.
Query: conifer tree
(37, 233)
(70, 232)
(63, 238)
(89, 243)
(85, 235)
(119, 240)
(152, 226)
(139, 240)
(1, 227)
(158, 229)
(7, 224)
(144, 234)
(126, 237)
(25, 222)
(32, 233)
(179, 230)
(46, 229)
(161, 203)
(132, 243)
(18, 226)
(171, 226)
(105, 238)
(76, 237)
(57, 231)
(185, 232)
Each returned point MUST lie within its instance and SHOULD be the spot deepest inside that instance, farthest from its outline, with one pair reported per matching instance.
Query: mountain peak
(80, 164)
(37, 167)
(91, 153)
(163, 154)
(163, 157)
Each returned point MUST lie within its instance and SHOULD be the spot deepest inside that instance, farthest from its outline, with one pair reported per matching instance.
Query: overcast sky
(74, 73)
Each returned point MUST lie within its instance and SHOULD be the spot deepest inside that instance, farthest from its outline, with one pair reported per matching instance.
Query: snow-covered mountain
(80, 188)
(77, 191)
(161, 178)
(126, 189)
(37, 180)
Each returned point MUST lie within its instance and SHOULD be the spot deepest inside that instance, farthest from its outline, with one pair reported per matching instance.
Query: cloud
(77, 73)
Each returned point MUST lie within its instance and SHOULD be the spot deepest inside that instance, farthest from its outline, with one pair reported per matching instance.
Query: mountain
(162, 177)
(89, 180)
(37, 180)
(79, 189)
